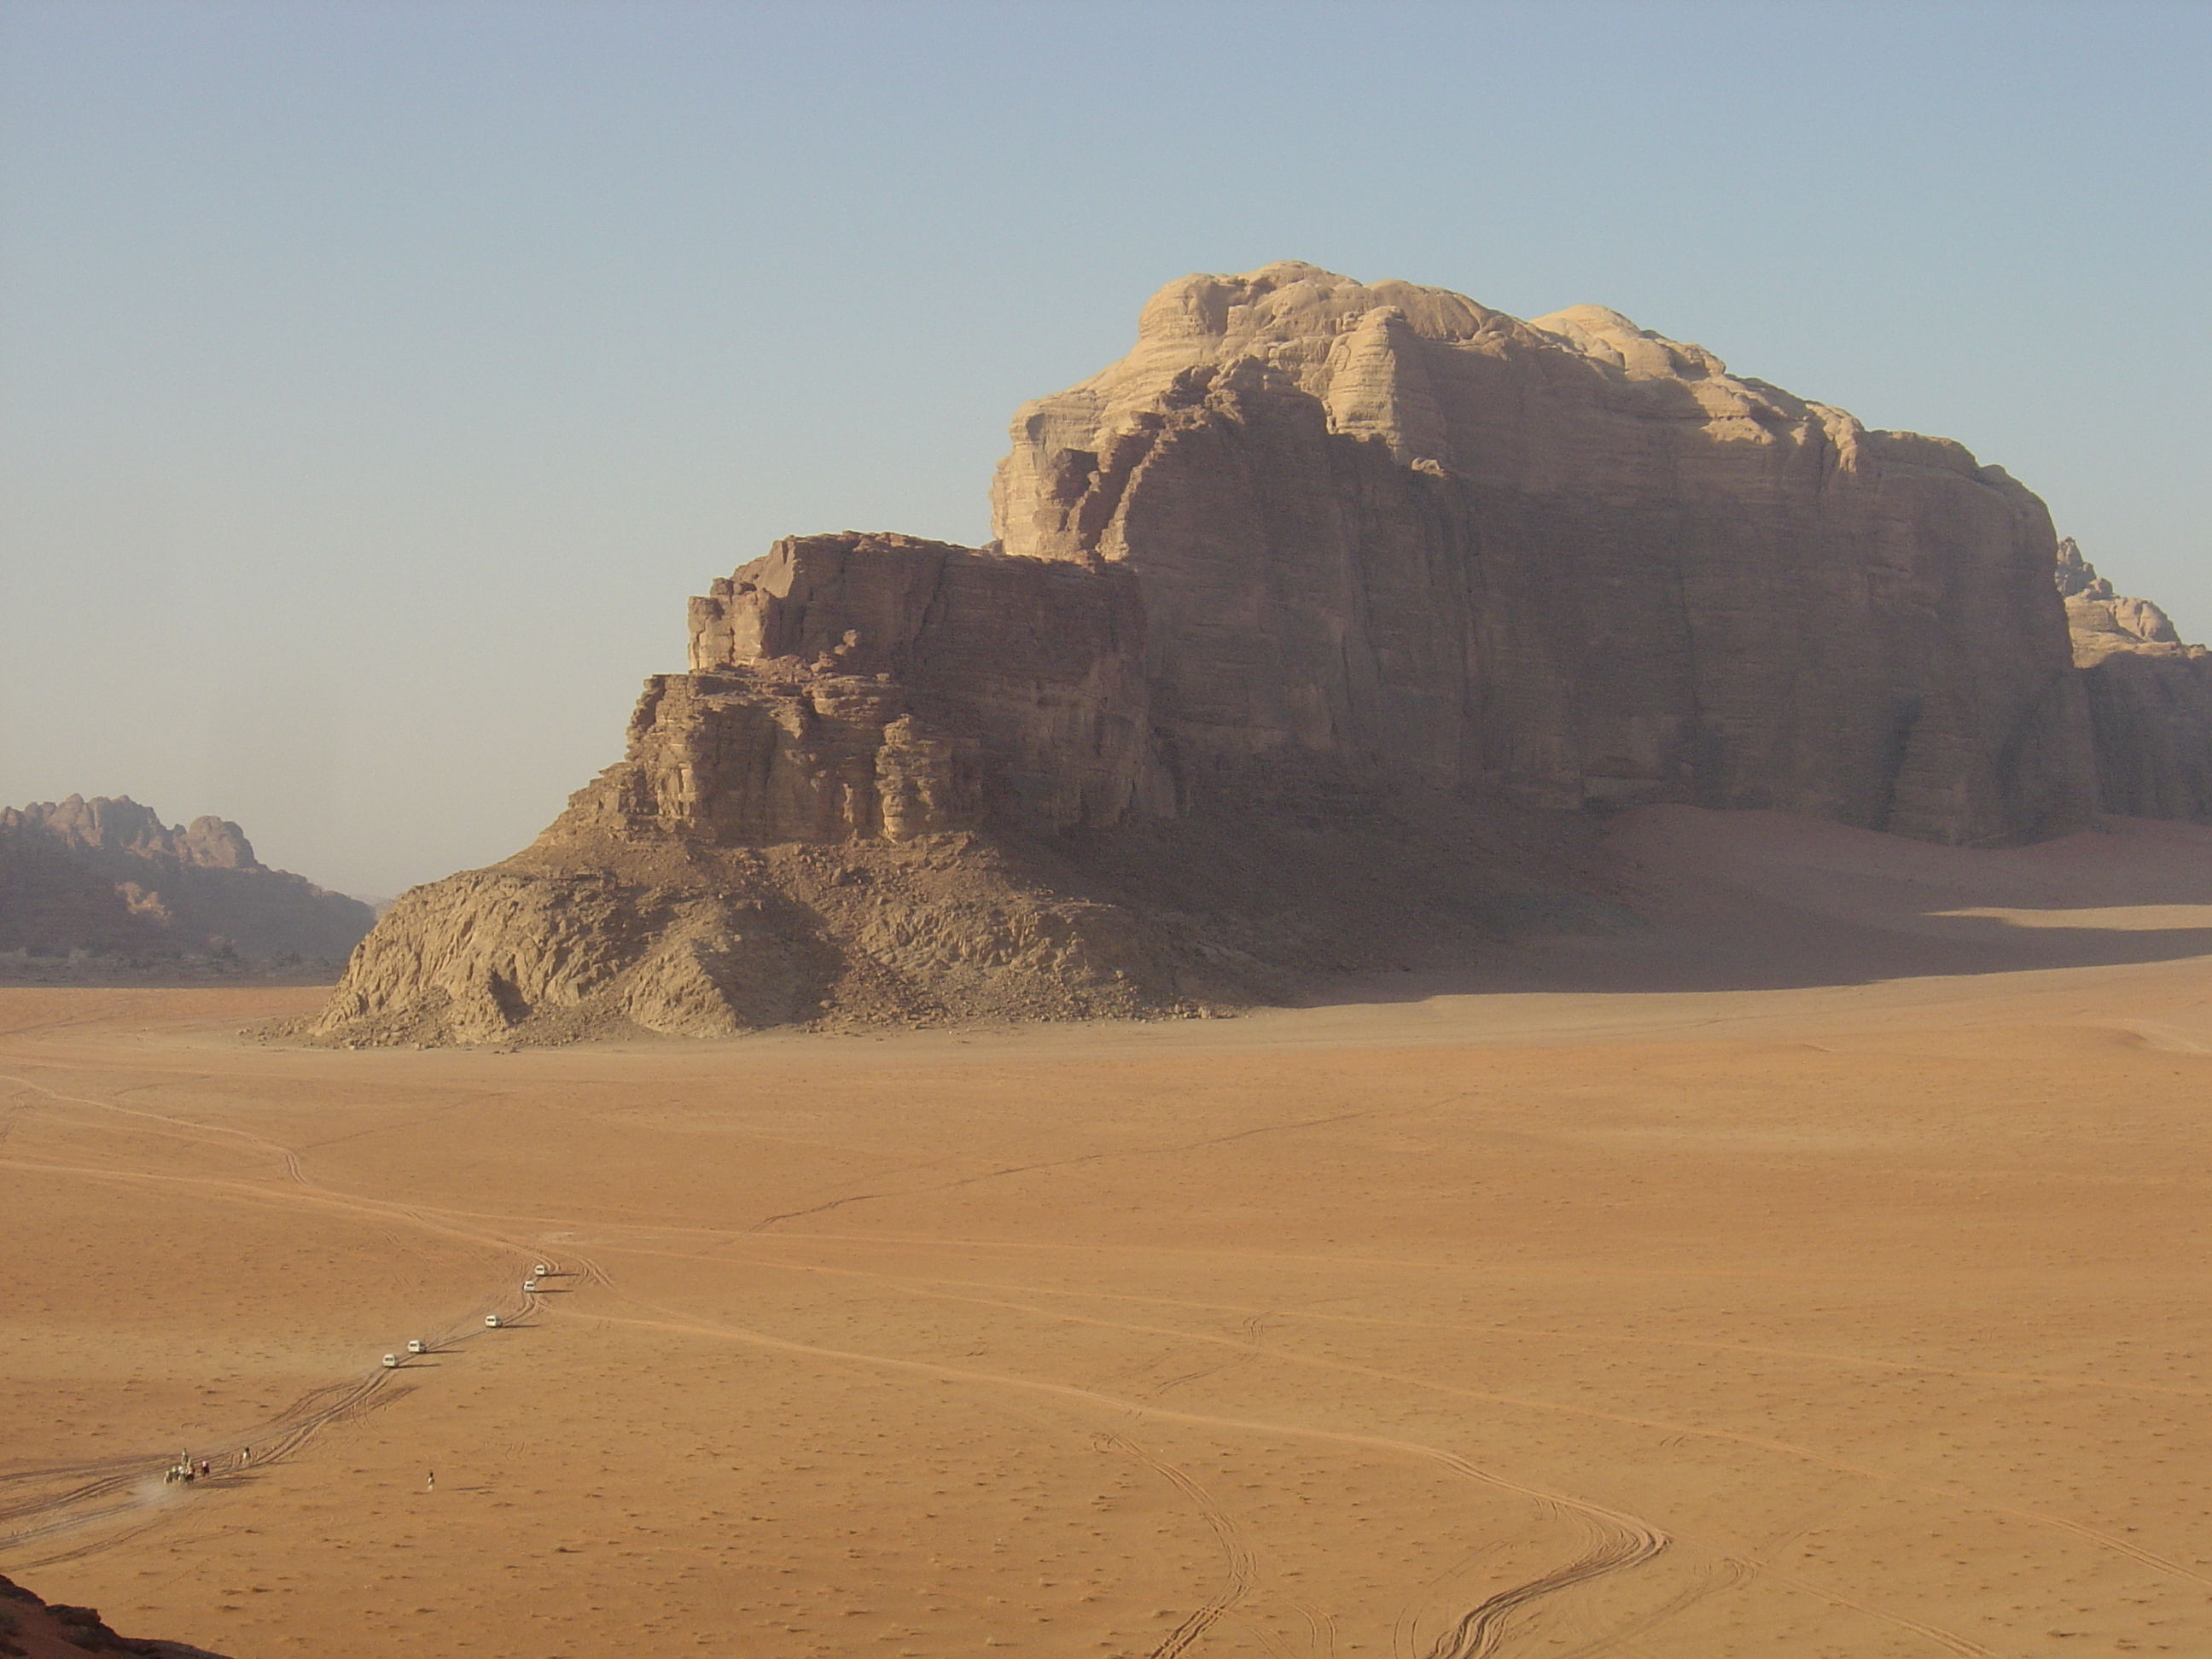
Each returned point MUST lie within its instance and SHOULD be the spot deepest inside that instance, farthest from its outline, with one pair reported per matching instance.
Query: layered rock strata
(1385, 531)
(2150, 698)
(808, 824)
(110, 878)
(881, 687)
(906, 780)
(1322, 626)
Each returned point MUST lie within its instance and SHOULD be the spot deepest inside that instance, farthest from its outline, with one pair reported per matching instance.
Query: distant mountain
(109, 877)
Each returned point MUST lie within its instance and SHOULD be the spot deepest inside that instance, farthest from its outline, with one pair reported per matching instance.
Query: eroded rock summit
(1316, 632)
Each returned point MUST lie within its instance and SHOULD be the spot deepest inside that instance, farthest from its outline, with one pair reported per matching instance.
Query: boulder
(31, 1628)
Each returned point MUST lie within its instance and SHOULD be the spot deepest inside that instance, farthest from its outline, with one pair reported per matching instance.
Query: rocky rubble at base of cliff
(1318, 634)
(583, 940)
(579, 940)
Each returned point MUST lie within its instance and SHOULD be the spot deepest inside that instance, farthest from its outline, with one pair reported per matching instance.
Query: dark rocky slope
(32, 1628)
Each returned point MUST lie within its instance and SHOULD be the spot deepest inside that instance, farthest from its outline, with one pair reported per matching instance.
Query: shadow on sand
(1758, 901)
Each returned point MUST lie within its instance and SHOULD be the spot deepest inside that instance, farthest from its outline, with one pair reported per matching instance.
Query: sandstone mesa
(109, 879)
(1316, 632)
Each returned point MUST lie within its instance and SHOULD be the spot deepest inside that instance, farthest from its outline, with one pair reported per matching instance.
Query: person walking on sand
(432, 1484)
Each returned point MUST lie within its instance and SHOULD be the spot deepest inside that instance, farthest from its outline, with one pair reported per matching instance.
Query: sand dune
(1819, 1273)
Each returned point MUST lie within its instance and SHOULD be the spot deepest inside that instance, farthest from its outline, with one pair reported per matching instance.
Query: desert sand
(1819, 1273)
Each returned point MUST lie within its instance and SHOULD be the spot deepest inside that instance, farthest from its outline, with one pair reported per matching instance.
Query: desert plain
(1817, 1272)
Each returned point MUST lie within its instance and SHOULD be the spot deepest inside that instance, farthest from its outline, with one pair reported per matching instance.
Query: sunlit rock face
(2150, 698)
(1390, 531)
(881, 687)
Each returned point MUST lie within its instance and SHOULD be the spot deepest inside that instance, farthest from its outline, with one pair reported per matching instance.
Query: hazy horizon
(377, 380)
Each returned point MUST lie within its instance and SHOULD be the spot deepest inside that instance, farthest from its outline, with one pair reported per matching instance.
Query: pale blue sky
(376, 380)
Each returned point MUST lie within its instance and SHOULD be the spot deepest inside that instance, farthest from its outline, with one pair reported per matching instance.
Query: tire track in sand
(1763, 1442)
(1626, 1540)
(1241, 1565)
(1483, 1627)
(183, 1128)
(108, 1489)
(132, 1481)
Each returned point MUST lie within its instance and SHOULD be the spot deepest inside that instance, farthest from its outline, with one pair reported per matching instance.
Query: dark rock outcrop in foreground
(109, 878)
(1317, 633)
(31, 1629)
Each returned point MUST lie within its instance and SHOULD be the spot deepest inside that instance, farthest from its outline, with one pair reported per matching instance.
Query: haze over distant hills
(108, 878)
(1318, 630)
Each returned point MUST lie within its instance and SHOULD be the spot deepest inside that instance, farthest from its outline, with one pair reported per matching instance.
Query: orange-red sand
(1865, 1316)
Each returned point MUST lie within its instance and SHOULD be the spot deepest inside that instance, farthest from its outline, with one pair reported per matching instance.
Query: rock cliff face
(111, 878)
(798, 831)
(1386, 532)
(1323, 624)
(2150, 698)
(853, 687)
